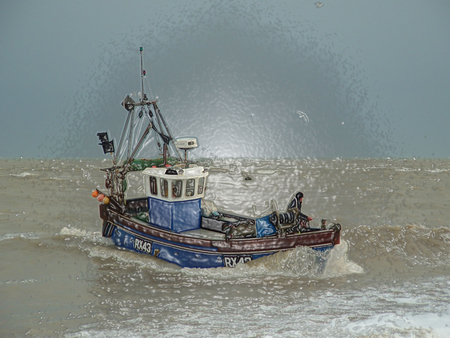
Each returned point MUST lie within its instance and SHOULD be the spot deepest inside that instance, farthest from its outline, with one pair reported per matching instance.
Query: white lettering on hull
(232, 261)
(142, 246)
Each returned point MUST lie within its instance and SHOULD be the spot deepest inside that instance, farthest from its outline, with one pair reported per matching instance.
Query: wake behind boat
(173, 220)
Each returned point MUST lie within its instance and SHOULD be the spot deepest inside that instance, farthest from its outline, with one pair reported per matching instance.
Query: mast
(116, 175)
(165, 138)
(143, 73)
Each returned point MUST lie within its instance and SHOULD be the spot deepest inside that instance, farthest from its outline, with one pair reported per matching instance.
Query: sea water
(389, 277)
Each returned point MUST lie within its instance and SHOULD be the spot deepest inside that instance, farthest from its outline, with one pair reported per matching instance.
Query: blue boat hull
(183, 255)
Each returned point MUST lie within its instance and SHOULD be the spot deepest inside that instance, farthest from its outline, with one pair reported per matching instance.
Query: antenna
(143, 73)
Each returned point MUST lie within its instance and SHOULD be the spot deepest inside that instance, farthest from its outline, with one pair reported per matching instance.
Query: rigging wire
(122, 138)
(148, 86)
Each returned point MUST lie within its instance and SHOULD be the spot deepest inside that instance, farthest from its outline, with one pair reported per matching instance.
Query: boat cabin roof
(174, 173)
(174, 184)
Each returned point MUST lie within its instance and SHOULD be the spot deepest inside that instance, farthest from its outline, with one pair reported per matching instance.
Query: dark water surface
(389, 277)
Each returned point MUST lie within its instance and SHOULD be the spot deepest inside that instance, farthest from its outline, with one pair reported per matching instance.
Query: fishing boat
(172, 220)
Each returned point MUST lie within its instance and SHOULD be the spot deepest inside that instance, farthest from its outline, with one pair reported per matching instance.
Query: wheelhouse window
(153, 186)
(190, 187)
(177, 188)
(164, 187)
(201, 183)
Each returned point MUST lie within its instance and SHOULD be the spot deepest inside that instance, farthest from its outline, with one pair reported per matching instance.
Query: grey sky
(372, 77)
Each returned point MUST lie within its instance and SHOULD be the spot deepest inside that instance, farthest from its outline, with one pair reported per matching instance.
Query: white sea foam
(28, 235)
(24, 174)
(94, 237)
(301, 262)
(70, 231)
(266, 172)
(338, 263)
(105, 249)
(404, 325)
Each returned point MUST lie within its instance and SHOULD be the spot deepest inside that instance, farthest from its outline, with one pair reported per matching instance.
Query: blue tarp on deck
(176, 216)
(264, 227)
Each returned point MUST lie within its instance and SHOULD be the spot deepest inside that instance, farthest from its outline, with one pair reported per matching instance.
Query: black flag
(108, 146)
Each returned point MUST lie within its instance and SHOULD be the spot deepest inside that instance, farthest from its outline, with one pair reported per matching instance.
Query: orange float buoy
(106, 200)
(95, 193)
(100, 197)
